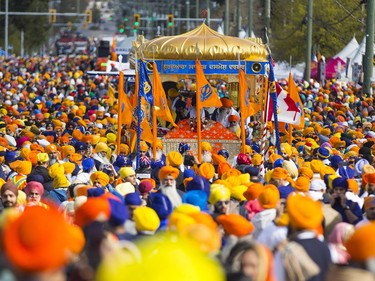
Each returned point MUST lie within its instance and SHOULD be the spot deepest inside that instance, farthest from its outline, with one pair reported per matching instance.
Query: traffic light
(88, 16)
(121, 29)
(170, 20)
(136, 21)
(52, 15)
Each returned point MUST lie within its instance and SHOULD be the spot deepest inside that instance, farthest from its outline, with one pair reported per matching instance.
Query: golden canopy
(211, 46)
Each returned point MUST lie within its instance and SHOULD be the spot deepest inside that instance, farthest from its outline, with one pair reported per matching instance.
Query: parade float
(220, 56)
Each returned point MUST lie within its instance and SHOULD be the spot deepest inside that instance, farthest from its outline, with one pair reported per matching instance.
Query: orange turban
(279, 173)
(77, 134)
(94, 209)
(236, 225)
(226, 102)
(51, 148)
(253, 191)
(304, 213)
(168, 171)
(353, 185)
(302, 184)
(233, 118)
(223, 168)
(38, 245)
(305, 171)
(270, 196)
(21, 167)
(206, 170)
(101, 177)
(361, 245)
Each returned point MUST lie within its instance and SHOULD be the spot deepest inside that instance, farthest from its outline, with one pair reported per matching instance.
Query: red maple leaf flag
(287, 109)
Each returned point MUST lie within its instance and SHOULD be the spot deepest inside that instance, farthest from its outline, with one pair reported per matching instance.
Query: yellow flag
(125, 109)
(293, 92)
(160, 100)
(206, 95)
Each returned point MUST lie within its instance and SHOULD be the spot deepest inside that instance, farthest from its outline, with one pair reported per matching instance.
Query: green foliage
(335, 22)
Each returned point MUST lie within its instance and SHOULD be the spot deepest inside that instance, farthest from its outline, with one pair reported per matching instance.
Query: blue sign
(211, 67)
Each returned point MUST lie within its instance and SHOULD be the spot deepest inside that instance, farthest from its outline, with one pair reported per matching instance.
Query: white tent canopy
(348, 49)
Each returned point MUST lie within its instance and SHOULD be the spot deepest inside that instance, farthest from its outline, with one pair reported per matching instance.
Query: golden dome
(211, 45)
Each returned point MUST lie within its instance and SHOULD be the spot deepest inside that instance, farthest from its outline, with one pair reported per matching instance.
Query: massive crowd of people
(77, 207)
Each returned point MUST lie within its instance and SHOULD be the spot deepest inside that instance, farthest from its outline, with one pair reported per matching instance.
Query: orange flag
(293, 92)
(113, 49)
(111, 95)
(207, 96)
(160, 100)
(125, 109)
(146, 133)
(244, 95)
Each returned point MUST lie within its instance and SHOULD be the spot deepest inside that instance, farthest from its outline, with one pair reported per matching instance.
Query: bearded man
(167, 177)
(9, 194)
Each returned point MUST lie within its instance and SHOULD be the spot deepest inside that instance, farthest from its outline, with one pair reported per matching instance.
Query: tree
(333, 26)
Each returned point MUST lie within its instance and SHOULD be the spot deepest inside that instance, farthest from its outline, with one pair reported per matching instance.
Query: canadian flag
(287, 109)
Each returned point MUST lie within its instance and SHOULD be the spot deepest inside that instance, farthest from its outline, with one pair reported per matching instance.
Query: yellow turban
(143, 146)
(125, 172)
(256, 159)
(101, 177)
(124, 148)
(69, 167)
(174, 159)
(60, 181)
(316, 165)
(206, 146)
(206, 170)
(218, 193)
(146, 219)
(101, 147)
(56, 169)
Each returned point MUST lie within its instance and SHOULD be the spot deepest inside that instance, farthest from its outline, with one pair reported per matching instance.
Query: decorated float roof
(211, 45)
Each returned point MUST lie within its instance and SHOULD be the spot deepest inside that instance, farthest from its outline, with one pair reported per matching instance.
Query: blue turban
(133, 199)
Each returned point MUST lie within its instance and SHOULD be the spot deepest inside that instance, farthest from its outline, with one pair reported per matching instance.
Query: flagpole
(199, 129)
(242, 119)
(154, 121)
(264, 133)
(139, 112)
(119, 114)
(274, 101)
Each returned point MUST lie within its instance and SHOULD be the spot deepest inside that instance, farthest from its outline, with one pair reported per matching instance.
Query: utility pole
(227, 19)
(267, 18)
(368, 62)
(238, 24)
(197, 9)
(208, 12)
(250, 18)
(307, 73)
(188, 15)
(6, 27)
